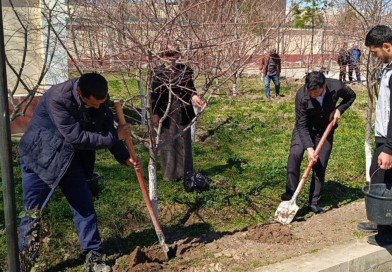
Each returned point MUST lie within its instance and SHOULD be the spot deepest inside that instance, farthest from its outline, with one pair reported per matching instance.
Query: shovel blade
(286, 212)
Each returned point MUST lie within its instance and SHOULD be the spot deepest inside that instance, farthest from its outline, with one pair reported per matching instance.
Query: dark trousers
(380, 176)
(354, 67)
(75, 188)
(342, 72)
(294, 166)
(377, 175)
(176, 157)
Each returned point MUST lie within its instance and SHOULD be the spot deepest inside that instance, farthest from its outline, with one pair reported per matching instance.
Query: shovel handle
(139, 175)
(311, 163)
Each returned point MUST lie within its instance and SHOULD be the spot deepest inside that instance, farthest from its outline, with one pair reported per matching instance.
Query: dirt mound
(154, 258)
(254, 247)
(270, 233)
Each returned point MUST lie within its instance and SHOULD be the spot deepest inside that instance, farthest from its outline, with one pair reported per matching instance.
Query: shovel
(287, 210)
(131, 150)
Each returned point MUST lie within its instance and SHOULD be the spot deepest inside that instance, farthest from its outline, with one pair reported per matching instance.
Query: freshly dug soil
(254, 247)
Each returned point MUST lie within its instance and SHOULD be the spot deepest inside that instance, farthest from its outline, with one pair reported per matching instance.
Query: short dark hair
(93, 84)
(378, 35)
(314, 80)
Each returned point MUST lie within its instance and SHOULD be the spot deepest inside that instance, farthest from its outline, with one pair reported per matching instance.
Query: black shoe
(380, 240)
(367, 226)
(316, 209)
(285, 197)
(94, 263)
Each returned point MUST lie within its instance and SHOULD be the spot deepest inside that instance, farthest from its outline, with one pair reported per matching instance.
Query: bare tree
(364, 15)
(217, 39)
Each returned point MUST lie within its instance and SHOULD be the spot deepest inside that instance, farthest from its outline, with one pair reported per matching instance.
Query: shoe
(380, 240)
(94, 263)
(316, 209)
(367, 226)
(285, 197)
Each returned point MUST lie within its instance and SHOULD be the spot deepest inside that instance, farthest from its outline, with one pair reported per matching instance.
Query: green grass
(245, 144)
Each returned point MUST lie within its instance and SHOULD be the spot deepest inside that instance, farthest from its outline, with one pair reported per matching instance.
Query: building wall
(23, 52)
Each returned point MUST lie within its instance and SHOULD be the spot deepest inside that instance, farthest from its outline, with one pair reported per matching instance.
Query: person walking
(354, 63)
(172, 99)
(71, 122)
(343, 59)
(270, 70)
(315, 106)
(379, 42)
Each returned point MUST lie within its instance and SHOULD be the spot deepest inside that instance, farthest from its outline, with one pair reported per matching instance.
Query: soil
(254, 247)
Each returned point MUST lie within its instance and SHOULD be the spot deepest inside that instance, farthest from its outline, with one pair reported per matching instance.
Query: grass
(243, 143)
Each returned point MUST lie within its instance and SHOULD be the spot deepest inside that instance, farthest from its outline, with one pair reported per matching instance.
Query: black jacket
(180, 81)
(311, 117)
(61, 127)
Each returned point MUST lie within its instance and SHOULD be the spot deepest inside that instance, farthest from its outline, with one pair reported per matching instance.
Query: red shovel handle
(139, 175)
(311, 163)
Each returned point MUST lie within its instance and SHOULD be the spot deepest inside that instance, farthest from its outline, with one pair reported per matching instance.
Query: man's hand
(197, 101)
(155, 120)
(385, 161)
(135, 164)
(123, 131)
(335, 116)
(311, 155)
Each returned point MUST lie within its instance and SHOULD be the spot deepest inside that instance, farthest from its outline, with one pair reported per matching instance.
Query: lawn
(242, 145)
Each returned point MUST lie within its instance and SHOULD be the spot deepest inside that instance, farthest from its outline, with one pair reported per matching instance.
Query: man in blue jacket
(316, 104)
(70, 123)
(354, 63)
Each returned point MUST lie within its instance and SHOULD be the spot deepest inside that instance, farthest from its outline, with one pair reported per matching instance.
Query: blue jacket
(61, 127)
(355, 55)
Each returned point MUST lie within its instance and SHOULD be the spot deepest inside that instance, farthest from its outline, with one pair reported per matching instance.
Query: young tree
(217, 38)
(365, 15)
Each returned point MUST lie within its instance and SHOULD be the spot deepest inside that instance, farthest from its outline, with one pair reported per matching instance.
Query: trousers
(75, 188)
(380, 176)
(267, 83)
(296, 155)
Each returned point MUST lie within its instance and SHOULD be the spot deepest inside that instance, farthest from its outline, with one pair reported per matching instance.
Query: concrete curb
(355, 257)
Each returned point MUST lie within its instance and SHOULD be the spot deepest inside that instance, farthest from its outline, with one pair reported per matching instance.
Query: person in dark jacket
(343, 59)
(270, 70)
(354, 63)
(379, 41)
(70, 123)
(315, 106)
(172, 98)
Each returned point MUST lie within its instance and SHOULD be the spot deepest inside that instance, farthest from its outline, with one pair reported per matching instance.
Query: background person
(173, 89)
(354, 63)
(315, 107)
(379, 41)
(343, 59)
(270, 70)
(71, 122)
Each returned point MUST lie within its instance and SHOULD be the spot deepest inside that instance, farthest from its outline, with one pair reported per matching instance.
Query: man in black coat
(70, 123)
(315, 107)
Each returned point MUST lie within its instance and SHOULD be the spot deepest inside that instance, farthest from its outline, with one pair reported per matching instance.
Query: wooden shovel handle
(139, 175)
(311, 163)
